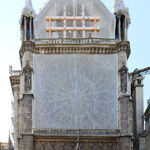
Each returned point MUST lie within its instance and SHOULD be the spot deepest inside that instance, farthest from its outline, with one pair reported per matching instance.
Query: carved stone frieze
(71, 143)
(75, 46)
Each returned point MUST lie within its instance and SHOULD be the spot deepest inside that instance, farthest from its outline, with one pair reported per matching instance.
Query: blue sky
(139, 37)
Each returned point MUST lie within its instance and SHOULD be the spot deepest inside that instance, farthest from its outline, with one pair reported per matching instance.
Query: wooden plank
(72, 29)
(73, 18)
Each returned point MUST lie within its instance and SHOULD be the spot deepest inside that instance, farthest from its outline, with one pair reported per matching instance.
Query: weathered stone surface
(125, 143)
(25, 114)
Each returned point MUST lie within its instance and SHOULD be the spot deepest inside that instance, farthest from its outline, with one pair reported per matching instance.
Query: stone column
(83, 22)
(65, 21)
(28, 99)
(125, 118)
(74, 22)
(139, 104)
(119, 27)
(25, 28)
(25, 114)
(30, 28)
(125, 29)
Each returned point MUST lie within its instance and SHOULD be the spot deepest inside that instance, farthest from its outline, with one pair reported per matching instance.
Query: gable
(74, 19)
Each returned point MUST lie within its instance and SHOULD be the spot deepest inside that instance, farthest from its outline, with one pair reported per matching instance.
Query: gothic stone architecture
(74, 91)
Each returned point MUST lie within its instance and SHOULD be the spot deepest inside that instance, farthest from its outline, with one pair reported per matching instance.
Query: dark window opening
(117, 32)
(122, 27)
(139, 82)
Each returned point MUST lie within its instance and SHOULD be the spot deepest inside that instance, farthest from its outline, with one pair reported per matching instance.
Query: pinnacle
(118, 5)
(28, 9)
(28, 4)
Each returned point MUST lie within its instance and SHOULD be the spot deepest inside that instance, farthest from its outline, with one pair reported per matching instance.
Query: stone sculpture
(28, 80)
(123, 81)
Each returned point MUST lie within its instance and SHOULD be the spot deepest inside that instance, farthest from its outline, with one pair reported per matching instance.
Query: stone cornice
(15, 79)
(82, 139)
(89, 132)
(82, 132)
(75, 46)
(124, 95)
(26, 94)
(145, 133)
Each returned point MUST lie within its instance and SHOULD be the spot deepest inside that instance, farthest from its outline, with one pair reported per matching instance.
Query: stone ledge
(26, 94)
(76, 132)
(75, 46)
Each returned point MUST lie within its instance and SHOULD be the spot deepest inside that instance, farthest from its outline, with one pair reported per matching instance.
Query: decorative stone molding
(26, 46)
(96, 132)
(75, 46)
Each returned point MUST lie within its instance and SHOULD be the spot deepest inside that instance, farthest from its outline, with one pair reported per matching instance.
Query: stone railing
(15, 72)
(14, 76)
(76, 41)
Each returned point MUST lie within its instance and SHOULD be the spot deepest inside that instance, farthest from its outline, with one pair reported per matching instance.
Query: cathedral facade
(74, 91)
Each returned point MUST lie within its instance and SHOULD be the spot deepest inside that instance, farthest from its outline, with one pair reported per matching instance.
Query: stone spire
(28, 4)
(27, 21)
(119, 5)
(28, 9)
(123, 20)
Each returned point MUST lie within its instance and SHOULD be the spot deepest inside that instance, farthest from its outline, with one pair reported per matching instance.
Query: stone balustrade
(15, 73)
(76, 41)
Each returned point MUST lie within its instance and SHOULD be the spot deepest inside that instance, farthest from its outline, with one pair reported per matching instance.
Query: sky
(10, 12)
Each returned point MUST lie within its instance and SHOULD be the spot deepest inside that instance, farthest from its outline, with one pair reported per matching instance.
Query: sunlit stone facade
(73, 91)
